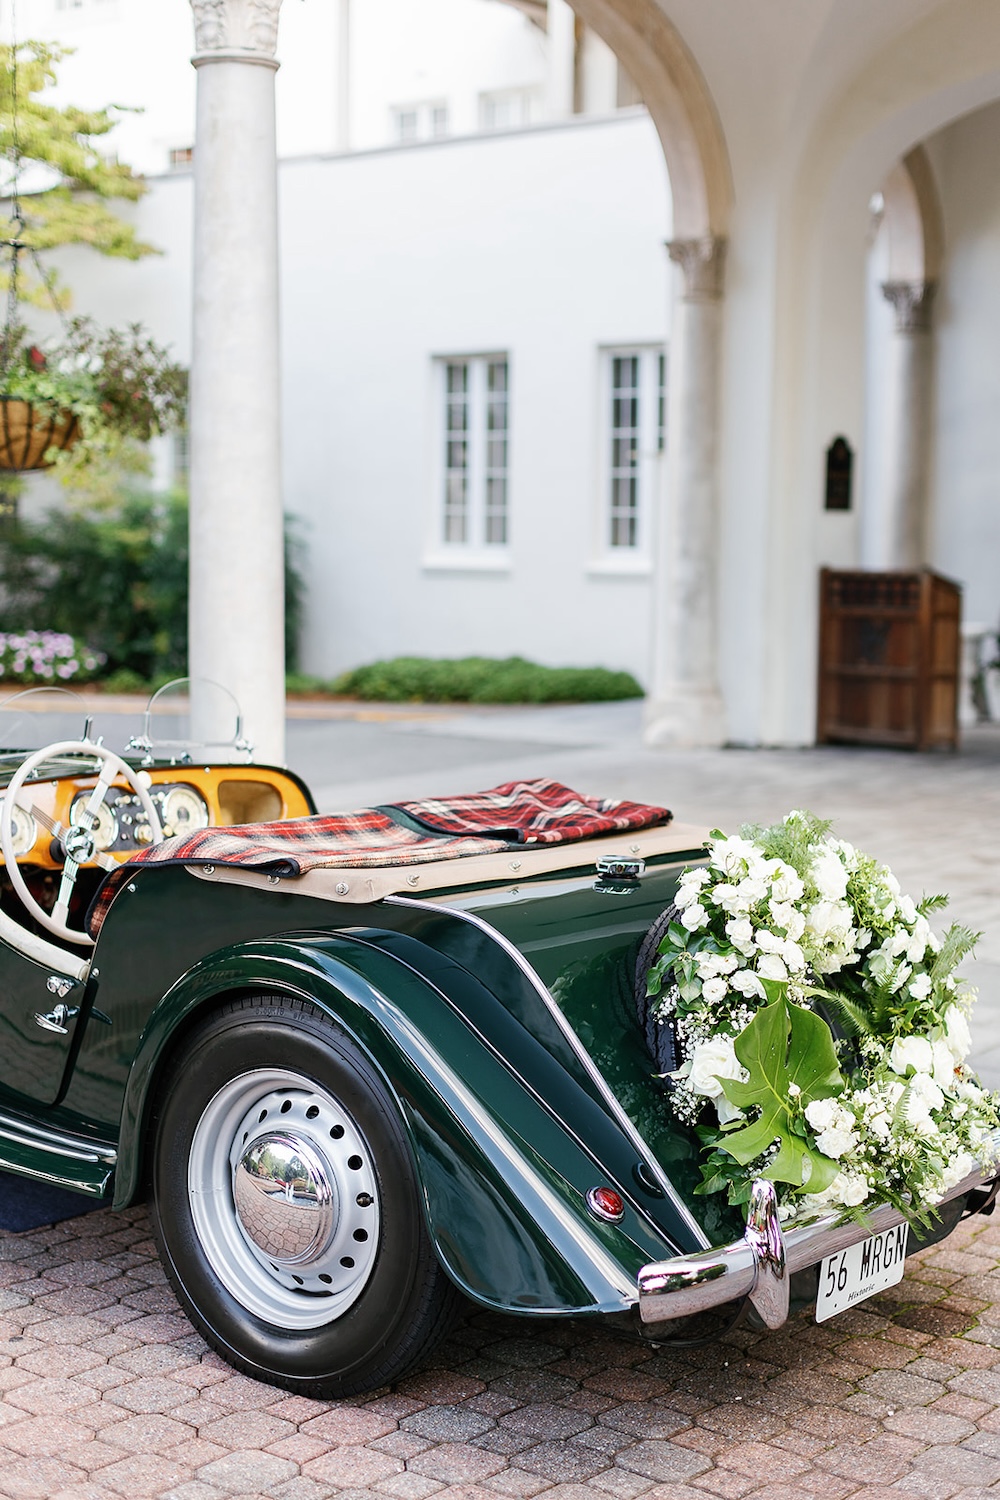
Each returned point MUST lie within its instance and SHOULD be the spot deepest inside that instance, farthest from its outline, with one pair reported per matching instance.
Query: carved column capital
(912, 302)
(241, 30)
(703, 262)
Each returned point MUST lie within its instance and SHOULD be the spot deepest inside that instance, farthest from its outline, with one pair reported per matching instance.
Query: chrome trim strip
(689, 1284)
(56, 1141)
(618, 1114)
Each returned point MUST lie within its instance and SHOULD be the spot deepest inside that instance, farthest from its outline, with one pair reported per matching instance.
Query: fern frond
(957, 943)
(927, 904)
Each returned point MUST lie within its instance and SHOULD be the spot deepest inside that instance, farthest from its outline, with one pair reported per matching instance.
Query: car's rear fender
(504, 1181)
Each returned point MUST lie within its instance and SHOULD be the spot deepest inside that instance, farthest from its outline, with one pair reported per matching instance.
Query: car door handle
(57, 1018)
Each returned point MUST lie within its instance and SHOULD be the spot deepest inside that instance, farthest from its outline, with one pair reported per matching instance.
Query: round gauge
(24, 830)
(106, 832)
(183, 810)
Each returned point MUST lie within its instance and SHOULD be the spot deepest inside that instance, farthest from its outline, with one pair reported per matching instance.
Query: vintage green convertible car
(366, 1067)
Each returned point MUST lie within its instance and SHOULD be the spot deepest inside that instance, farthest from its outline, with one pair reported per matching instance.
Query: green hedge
(118, 580)
(483, 679)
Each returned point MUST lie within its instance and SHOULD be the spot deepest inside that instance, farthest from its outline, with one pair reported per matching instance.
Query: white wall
(546, 244)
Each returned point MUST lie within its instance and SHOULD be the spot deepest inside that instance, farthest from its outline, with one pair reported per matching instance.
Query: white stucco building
(511, 420)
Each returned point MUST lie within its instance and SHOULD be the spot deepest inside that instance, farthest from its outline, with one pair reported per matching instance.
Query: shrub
(47, 657)
(483, 679)
(117, 579)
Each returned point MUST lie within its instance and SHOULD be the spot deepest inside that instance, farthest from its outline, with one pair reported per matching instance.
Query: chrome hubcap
(284, 1198)
(285, 1201)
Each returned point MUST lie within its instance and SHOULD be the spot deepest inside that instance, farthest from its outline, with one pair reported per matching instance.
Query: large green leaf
(784, 1044)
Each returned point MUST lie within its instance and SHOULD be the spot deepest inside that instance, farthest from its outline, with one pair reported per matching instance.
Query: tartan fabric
(519, 812)
(532, 812)
(356, 840)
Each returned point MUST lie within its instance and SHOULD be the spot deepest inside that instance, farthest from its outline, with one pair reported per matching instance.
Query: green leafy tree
(58, 160)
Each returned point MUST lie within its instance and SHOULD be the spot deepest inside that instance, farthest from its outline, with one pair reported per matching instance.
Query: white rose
(747, 983)
(793, 956)
(828, 874)
(740, 934)
(711, 1060)
(911, 1052)
(920, 985)
(943, 1071)
(836, 1142)
(725, 895)
(694, 916)
(771, 966)
(956, 1033)
(907, 910)
(850, 1189)
(785, 884)
(821, 1113)
(922, 1099)
(784, 915)
(732, 855)
(714, 990)
(751, 892)
(767, 942)
(958, 1167)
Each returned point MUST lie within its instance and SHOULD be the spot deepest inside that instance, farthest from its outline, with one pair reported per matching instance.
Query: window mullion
(477, 452)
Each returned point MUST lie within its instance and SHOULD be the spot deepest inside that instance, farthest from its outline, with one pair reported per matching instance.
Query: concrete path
(105, 1390)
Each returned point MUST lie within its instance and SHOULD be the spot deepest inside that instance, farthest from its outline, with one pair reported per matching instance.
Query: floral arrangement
(118, 383)
(820, 1021)
(41, 656)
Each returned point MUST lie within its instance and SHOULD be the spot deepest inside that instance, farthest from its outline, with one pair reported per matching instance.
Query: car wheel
(286, 1205)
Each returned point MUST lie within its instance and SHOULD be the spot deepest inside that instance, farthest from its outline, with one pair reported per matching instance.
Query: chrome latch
(618, 874)
(57, 1018)
(56, 984)
(620, 866)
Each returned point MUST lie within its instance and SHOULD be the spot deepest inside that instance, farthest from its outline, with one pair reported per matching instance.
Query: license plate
(847, 1278)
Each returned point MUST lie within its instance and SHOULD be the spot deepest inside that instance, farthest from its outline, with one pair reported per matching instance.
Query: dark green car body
(500, 1020)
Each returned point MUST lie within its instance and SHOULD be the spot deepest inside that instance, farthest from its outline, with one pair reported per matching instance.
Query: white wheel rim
(316, 1282)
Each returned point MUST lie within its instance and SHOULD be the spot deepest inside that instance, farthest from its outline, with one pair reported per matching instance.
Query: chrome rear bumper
(761, 1264)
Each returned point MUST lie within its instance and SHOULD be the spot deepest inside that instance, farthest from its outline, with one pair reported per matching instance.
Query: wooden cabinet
(889, 648)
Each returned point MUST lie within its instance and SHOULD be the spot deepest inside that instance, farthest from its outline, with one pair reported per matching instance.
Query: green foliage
(789, 1054)
(123, 388)
(957, 943)
(68, 145)
(118, 580)
(481, 679)
(793, 839)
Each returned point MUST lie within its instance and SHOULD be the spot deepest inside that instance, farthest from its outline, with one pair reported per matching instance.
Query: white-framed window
(506, 109)
(425, 121)
(634, 399)
(473, 483)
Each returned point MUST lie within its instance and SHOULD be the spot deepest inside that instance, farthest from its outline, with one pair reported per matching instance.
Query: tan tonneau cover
(368, 884)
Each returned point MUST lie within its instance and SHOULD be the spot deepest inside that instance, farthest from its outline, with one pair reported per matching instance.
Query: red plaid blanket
(345, 841)
(532, 812)
(519, 812)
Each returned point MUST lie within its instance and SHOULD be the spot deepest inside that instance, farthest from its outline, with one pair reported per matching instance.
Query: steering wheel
(78, 840)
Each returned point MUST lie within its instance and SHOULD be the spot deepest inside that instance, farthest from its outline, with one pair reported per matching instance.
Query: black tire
(659, 1036)
(311, 1327)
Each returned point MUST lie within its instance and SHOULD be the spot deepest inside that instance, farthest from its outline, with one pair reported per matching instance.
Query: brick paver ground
(105, 1389)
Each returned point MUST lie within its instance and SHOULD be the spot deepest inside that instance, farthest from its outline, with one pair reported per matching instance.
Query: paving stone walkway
(106, 1391)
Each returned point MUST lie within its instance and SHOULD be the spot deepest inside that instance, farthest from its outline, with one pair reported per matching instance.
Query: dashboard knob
(143, 834)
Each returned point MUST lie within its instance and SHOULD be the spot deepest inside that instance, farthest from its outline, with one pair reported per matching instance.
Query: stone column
(237, 573)
(894, 522)
(684, 705)
(561, 47)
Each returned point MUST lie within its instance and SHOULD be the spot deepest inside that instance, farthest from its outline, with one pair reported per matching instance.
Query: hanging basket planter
(28, 433)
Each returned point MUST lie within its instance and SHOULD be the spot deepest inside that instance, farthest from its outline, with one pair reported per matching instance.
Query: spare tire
(660, 1036)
